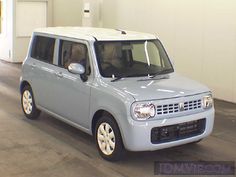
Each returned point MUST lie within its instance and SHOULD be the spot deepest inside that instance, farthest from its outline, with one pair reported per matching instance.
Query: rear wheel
(108, 139)
(28, 104)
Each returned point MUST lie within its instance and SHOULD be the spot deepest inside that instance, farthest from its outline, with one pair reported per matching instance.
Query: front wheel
(108, 139)
(28, 104)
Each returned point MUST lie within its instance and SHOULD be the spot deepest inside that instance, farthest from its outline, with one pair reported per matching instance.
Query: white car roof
(100, 34)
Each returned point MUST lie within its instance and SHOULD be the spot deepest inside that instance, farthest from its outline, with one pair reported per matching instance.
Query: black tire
(34, 113)
(119, 150)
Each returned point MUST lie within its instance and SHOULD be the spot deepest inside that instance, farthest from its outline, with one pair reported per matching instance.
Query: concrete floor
(48, 147)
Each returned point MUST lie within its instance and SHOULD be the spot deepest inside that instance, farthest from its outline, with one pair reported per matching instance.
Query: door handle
(59, 74)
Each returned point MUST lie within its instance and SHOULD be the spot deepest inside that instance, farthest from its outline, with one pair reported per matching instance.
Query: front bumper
(137, 135)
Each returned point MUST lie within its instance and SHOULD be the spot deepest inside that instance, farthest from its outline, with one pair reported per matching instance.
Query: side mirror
(76, 68)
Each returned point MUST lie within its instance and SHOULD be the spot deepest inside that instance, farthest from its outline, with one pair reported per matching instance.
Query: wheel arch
(97, 115)
(23, 84)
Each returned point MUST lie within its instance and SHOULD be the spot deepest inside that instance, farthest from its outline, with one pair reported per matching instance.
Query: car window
(153, 54)
(131, 58)
(73, 52)
(43, 48)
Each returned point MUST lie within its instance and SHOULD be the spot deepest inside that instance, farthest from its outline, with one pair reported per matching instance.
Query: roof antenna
(122, 31)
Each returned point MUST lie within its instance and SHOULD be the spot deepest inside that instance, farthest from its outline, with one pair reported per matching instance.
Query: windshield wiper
(165, 71)
(117, 78)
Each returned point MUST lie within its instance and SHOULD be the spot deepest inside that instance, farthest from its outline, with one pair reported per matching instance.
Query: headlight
(143, 111)
(207, 101)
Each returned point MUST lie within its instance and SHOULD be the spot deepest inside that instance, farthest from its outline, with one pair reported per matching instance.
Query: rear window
(43, 48)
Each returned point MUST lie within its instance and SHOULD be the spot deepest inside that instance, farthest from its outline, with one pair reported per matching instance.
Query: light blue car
(119, 86)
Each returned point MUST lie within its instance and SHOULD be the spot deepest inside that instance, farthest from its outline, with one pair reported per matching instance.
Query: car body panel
(65, 96)
(92, 34)
(169, 86)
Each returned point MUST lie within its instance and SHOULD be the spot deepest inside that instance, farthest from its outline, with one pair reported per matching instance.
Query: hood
(159, 88)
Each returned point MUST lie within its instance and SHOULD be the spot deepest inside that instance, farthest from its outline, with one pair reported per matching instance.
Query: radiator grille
(179, 107)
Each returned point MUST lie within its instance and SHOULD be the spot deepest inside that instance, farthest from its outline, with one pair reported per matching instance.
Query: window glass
(153, 54)
(132, 58)
(138, 53)
(73, 52)
(43, 48)
(147, 53)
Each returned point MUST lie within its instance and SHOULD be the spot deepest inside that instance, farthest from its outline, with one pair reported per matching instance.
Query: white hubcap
(27, 102)
(106, 139)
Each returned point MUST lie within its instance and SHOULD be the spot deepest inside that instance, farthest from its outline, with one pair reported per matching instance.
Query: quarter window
(43, 48)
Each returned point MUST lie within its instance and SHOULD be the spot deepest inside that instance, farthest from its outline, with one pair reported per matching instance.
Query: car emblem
(181, 107)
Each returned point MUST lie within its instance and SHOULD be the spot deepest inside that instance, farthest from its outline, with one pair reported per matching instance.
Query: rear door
(43, 70)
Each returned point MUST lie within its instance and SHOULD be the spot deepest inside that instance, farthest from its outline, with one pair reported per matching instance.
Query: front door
(71, 93)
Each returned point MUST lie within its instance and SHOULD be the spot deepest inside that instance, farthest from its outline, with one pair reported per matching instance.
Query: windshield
(132, 58)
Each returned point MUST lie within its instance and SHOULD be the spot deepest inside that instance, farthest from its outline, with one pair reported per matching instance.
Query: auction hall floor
(47, 147)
